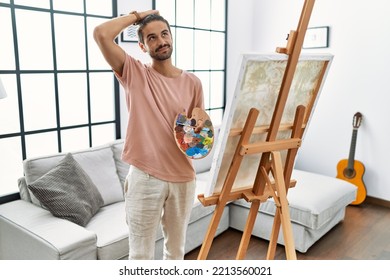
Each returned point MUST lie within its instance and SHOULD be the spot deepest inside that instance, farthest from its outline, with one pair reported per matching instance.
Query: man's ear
(142, 46)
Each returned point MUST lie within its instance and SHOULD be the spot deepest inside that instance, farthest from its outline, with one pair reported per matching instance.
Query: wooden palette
(194, 135)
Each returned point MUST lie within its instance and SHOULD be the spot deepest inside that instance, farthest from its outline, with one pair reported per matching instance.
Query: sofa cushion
(68, 192)
(111, 230)
(121, 166)
(97, 162)
(304, 237)
(23, 190)
(28, 232)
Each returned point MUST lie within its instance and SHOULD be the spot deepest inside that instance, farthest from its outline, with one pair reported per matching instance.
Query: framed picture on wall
(316, 37)
(130, 34)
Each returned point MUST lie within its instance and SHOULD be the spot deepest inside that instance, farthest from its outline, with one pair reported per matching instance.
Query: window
(199, 28)
(62, 95)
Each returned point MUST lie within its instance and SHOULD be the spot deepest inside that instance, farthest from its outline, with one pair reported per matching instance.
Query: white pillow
(97, 162)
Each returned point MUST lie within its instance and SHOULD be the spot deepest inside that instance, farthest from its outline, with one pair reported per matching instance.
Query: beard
(162, 56)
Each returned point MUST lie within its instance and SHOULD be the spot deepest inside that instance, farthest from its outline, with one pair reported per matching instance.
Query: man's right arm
(105, 34)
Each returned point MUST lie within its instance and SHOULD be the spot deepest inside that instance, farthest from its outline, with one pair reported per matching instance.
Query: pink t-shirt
(153, 101)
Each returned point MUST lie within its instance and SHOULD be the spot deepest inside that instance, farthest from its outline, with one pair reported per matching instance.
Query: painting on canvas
(258, 87)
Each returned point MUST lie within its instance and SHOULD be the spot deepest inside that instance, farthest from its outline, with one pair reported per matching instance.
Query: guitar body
(354, 176)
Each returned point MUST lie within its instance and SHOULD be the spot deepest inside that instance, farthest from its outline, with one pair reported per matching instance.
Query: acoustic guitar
(352, 170)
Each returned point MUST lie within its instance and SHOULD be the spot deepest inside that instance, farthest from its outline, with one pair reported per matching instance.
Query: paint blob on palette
(194, 135)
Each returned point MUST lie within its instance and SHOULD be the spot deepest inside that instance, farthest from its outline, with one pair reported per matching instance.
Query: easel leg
(204, 250)
(284, 212)
(273, 241)
(246, 236)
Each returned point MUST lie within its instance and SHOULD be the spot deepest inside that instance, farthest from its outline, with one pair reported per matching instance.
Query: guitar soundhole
(349, 173)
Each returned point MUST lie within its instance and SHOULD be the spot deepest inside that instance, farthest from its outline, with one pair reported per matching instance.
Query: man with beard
(160, 186)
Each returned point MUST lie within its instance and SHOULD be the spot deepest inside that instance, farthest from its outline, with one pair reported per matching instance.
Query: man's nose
(160, 40)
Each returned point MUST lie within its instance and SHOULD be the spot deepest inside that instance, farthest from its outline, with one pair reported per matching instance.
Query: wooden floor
(363, 235)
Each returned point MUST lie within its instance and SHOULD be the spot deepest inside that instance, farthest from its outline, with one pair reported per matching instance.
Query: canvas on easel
(258, 87)
(262, 131)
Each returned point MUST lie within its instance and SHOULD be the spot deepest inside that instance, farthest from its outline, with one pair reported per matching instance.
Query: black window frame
(22, 133)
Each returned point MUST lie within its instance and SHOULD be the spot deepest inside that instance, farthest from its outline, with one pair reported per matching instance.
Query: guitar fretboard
(352, 149)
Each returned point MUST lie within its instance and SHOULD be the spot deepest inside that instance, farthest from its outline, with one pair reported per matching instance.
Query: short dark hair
(148, 19)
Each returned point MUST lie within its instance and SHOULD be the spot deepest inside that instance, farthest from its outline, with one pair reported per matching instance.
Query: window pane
(101, 7)
(102, 97)
(216, 117)
(7, 56)
(41, 144)
(202, 50)
(95, 57)
(102, 134)
(205, 79)
(184, 49)
(185, 13)
(41, 94)
(217, 50)
(218, 12)
(10, 165)
(202, 14)
(38, 101)
(216, 89)
(167, 10)
(74, 139)
(39, 4)
(69, 5)
(174, 33)
(73, 100)
(70, 45)
(9, 110)
(34, 40)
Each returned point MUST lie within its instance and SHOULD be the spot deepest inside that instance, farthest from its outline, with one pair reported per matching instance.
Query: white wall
(357, 80)
(240, 39)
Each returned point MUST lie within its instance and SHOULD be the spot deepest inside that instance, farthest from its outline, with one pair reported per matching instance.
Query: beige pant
(150, 201)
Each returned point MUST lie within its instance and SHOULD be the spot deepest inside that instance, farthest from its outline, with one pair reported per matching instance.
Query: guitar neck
(351, 158)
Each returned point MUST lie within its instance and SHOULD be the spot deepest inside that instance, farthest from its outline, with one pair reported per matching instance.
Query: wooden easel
(270, 162)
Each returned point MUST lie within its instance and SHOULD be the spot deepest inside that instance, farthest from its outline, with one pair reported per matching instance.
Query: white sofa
(28, 231)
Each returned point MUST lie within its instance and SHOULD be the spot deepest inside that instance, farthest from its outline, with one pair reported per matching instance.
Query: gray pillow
(68, 192)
